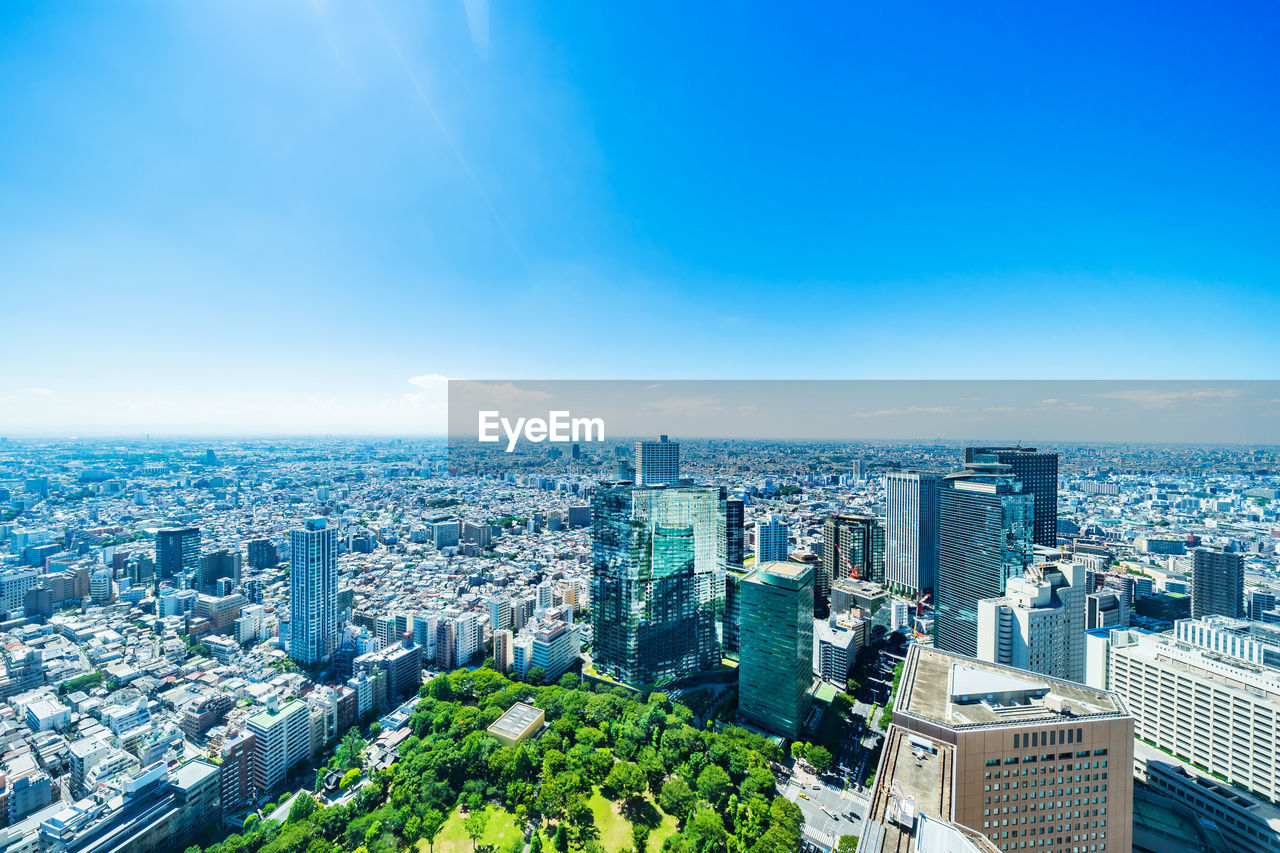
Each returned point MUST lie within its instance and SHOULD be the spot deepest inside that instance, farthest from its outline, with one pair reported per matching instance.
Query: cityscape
(563, 427)
(342, 644)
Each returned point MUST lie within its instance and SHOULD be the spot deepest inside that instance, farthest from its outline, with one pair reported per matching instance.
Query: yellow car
(803, 794)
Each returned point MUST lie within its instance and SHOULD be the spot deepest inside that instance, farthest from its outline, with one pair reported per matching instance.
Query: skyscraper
(656, 592)
(852, 547)
(771, 540)
(1037, 471)
(1217, 583)
(657, 462)
(177, 551)
(1260, 601)
(1038, 624)
(313, 592)
(911, 530)
(984, 538)
(732, 542)
(775, 670)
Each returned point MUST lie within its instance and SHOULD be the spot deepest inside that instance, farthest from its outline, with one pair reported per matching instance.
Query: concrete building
(177, 552)
(772, 540)
(1217, 583)
(1039, 623)
(1198, 705)
(657, 462)
(837, 645)
(282, 739)
(313, 592)
(1033, 762)
(853, 546)
(775, 669)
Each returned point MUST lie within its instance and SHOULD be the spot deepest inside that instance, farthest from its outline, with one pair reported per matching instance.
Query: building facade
(984, 538)
(313, 593)
(775, 669)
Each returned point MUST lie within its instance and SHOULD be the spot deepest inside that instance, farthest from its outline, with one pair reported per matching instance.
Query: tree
(303, 807)
(537, 675)
(706, 831)
(627, 783)
(535, 845)
(349, 778)
(375, 729)
(797, 749)
(677, 798)
(561, 841)
(432, 822)
(713, 785)
(818, 756)
(570, 681)
(848, 844)
(640, 836)
(475, 824)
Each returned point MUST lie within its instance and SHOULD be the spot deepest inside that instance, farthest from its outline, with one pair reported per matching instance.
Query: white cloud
(909, 410)
(1155, 398)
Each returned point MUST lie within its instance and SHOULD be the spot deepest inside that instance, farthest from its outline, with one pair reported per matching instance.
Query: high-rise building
(222, 563)
(502, 654)
(1060, 752)
(838, 645)
(775, 670)
(1260, 601)
(984, 538)
(1105, 609)
(657, 462)
(732, 543)
(656, 594)
(852, 547)
(1217, 583)
(1194, 703)
(282, 739)
(1039, 623)
(772, 543)
(313, 592)
(177, 551)
(911, 530)
(1037, 471)
(235, 775)
(732, 622)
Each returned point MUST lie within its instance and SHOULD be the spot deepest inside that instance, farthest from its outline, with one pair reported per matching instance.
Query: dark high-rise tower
(177, 551)
(984, 538)
(732, 544)
(1038, 473)
(1217, 584)
(852, 547)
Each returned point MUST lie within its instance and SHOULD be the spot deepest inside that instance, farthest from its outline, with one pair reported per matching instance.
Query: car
(803, 794)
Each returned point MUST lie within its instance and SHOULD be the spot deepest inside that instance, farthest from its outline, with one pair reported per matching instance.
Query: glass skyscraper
(984, 538)
(911, 530)
(177, 551)
(775, 669)
(656, 588)
(1037, 471)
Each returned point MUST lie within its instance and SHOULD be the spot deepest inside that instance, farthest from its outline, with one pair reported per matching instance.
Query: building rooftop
(517, 721)
(981, 694)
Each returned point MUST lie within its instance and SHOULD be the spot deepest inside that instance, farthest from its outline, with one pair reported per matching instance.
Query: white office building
(657, 462)
(1038, 624)
(911, 530)
(313, 592)
(1203, 708)
(772, 541)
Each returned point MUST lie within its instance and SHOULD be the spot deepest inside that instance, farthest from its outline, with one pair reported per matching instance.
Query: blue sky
(289, 217)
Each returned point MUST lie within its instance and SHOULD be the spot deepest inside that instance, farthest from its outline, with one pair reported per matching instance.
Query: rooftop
(517, 721)
(978, 693)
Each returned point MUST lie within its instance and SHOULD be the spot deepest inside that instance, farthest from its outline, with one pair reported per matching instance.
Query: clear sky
(291, 216)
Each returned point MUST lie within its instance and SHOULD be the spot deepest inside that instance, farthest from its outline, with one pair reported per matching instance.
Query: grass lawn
(615, 830)
(501, 834)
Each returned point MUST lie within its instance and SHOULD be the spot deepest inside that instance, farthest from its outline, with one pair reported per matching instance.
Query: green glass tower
(775, 670)
(656, 592)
